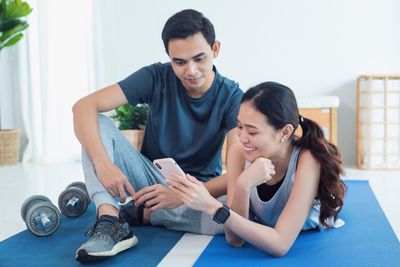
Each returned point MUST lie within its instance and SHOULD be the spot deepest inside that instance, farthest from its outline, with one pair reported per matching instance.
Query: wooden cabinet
(322, 110)
(324, 117)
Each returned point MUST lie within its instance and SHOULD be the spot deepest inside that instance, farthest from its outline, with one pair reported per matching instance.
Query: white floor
(20, 181)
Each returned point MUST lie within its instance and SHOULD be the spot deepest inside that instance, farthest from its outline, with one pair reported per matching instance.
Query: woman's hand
(193, 193)
(260, 171)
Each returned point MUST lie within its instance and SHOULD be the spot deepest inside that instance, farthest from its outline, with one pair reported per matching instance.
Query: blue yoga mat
(366, 239)
(25, 249)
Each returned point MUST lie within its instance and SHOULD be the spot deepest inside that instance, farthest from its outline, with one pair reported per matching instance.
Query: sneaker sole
(84, 256)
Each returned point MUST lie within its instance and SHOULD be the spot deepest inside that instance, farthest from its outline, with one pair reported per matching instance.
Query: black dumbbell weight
(74, 200)
(41, 217)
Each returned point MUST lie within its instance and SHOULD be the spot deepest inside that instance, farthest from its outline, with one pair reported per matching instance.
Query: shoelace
(104, 226)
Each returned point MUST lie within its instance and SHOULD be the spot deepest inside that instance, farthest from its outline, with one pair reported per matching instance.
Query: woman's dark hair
(278, 103)
(186, 23)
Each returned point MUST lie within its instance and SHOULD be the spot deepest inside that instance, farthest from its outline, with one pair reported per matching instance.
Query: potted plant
(12, 23)
(131, 120)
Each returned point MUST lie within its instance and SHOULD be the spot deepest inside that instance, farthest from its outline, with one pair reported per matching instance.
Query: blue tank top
(267, 213)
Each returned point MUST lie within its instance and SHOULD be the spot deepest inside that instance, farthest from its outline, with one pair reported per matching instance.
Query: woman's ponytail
(331, 189)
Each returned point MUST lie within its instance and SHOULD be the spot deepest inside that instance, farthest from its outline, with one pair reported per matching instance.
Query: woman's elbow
(233, 241)
(278, 254)
(279, 251)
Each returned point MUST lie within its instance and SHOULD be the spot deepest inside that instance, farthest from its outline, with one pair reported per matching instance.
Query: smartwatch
(222, 214)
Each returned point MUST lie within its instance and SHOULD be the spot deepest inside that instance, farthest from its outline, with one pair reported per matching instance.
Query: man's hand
(157, 197)
(113, 180)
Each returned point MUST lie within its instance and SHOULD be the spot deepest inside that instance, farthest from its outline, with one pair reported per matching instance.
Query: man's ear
(215, 48)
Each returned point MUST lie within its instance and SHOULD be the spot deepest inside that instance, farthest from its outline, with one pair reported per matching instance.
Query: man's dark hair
(186, 23)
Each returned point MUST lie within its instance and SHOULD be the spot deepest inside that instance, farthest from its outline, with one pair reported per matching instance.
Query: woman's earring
(282, 140)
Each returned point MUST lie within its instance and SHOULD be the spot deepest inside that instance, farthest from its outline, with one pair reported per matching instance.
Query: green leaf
(13, 31)
(7, 25)
(13, 40)
(13, 9)
(10, 24)
(131, 117)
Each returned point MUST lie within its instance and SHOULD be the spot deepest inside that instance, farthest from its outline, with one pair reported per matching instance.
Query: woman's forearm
(263, 237)
(238, 200)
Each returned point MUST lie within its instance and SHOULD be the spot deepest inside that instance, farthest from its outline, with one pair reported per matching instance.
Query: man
(192, 108)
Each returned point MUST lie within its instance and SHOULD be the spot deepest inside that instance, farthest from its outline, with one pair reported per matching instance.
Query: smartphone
(166, 166)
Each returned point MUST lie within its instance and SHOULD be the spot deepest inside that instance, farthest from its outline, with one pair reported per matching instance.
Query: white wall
(315, 47)
(10, 104)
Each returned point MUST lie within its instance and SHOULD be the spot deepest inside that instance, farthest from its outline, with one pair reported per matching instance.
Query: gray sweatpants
(141, 173)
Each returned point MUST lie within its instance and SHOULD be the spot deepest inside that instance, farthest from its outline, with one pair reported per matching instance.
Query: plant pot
(9, 146)
(135, 137)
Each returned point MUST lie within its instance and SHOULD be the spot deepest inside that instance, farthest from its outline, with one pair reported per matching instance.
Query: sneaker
(131, 214)
(108, 237)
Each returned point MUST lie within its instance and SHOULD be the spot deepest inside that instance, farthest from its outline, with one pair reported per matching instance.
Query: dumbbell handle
(43, 219)
(72, 202)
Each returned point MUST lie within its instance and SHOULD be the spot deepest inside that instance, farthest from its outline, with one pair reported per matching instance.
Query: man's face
(192, 61)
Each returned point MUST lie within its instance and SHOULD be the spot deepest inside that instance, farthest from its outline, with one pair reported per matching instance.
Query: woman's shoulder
(308, 172)
(307, 160)
(305, 153)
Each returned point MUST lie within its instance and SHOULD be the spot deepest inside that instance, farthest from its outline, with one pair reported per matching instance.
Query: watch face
(222, 214)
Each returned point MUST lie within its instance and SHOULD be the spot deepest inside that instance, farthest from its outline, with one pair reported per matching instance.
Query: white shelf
(318, 102)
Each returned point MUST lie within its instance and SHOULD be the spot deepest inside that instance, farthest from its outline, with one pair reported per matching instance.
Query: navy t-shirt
(189, 130)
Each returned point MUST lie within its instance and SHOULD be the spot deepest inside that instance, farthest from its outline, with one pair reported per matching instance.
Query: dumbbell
(74, 200)
(41, 217)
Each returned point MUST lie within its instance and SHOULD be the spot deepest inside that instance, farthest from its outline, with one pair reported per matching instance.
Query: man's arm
(218, 186)
(85, 113)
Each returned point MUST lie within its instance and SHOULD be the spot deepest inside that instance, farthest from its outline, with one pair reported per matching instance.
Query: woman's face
(257, 136)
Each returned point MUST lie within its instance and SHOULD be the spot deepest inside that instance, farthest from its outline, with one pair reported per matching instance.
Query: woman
(289, 183)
